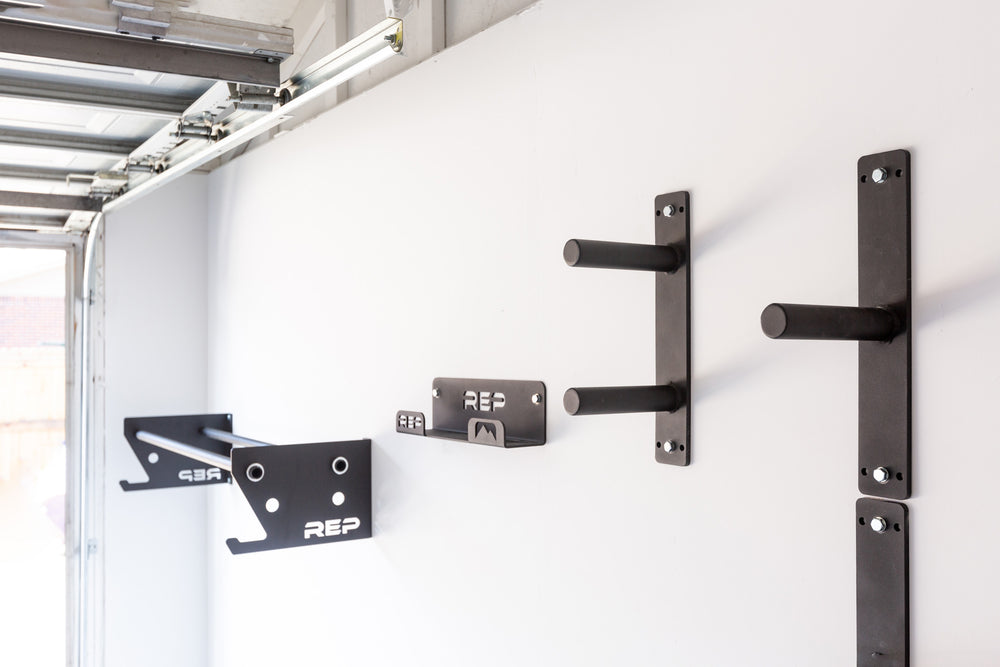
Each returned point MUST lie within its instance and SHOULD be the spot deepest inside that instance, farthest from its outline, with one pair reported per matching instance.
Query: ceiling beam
(94, 97)
(46, 41)
(39, 173)
(42, 200)
(71, 142)
(17, 221)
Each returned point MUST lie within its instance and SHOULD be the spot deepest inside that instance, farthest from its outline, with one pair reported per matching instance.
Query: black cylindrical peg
(610, 255)
(615, 400)
(806, 322)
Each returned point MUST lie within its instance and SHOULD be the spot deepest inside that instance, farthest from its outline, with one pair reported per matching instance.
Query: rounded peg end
(571, 401)
(571, 252)
(774, 321)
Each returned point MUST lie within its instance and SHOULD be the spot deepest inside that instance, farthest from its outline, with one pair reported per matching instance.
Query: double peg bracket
(301, 494)
(881, 322)
(669, 259)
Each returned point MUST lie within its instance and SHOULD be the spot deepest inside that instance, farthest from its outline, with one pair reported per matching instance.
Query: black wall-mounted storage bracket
(301, 494)
(500, 413)
(883, 583)
(669, 398)
(881, 323)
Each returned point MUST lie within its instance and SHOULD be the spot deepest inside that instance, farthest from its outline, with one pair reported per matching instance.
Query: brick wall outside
(28, 321)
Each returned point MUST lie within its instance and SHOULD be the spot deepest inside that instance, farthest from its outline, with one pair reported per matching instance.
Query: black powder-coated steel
(502, 413)
(303, 481)
(884, 380)
(883, 617)
(881, 323)
(171, 469)
(668, 257)
(805, 322)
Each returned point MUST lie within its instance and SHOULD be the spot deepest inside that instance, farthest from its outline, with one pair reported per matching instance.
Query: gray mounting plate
(673, 328)
(883, 585)
(884, 382)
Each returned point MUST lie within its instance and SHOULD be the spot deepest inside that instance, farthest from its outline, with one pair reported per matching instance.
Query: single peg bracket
(166, 468)
(669, 257)
(499, 413)
(301, 494)
(883, 617)
(880, 322)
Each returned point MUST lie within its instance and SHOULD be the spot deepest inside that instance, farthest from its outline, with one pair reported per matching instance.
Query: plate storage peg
(669, 259)
(880, 322)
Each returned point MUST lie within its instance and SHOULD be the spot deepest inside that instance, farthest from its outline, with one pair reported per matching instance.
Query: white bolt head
(669, 210)
(879, 175)
(878, 524)
(536, 398)
(669, 446)
(435, 392)
(881, 475)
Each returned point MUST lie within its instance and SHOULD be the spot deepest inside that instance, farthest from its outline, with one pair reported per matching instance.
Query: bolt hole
(153, 457)
(659, 444)
(339, 498)
(658, 213)
(899, 476)
(864, 472)
(861, 521)
(895, 527)
(899, 172)
(864, 178)
(681, 448)
(681, 209)
(340, 465)
(255, 472)
(272, 505)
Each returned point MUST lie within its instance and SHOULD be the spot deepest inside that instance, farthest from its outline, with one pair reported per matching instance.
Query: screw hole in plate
(272, 505)
(895, 527)
(861, 521)
(899, 476)
(899, 173)
(864, 178)
(864, 472)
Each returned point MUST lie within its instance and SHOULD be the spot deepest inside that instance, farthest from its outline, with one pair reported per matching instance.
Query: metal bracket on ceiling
(883, 617)
(669, 398)
(881, 323)
(500, 413)
(301, 494)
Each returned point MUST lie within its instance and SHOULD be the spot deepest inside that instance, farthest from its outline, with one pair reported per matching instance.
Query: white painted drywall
(156, 614)
(417, 231)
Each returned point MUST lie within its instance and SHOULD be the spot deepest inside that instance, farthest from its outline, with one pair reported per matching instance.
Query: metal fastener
(669, 446)
(669, 210)
(879, 175)
(878, 524)
(536, 398)
(881, 475)
(435, 392)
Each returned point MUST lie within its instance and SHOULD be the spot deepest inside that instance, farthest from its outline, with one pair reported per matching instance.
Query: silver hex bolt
(435, 392)
(669, 446)
(881, 475)
(879, 175)
(536, 399)
(669, 210)
(878, 524)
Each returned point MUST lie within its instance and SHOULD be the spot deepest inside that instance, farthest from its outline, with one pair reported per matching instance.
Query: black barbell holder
(668, 259)
(807, 322)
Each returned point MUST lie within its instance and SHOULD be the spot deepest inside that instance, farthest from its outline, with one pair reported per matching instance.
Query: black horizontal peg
(616, 400)
(807, 322)
(611, 255)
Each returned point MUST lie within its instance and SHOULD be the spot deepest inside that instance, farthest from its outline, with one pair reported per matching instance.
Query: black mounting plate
(883, 585)
(165, 468)
(501, 413)
(884, 382)
(307, 482)
(673, 328)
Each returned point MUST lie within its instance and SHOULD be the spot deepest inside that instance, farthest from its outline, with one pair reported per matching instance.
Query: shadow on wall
(946, 301)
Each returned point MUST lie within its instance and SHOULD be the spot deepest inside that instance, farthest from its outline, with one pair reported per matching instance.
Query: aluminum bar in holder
(175, 451)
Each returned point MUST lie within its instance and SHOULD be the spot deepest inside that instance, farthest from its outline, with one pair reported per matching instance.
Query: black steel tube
(610, 255)
(616, 400)
(806, 322)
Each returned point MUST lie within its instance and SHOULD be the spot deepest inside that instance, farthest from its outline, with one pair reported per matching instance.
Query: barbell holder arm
(631, 256)
(809, 322)
(619, 400)
(191, 452)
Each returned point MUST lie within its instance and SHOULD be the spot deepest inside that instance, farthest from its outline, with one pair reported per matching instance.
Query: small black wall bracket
(669, 398)
(881, 323)
(167, 469)
(500, 413)
(883, 583)
(306, 494)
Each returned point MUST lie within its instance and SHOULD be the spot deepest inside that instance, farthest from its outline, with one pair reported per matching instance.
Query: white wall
(417, 230)
(155, 346)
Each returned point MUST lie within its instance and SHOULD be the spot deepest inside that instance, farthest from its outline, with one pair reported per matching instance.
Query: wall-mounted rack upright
(669, 258)
(301, 494)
